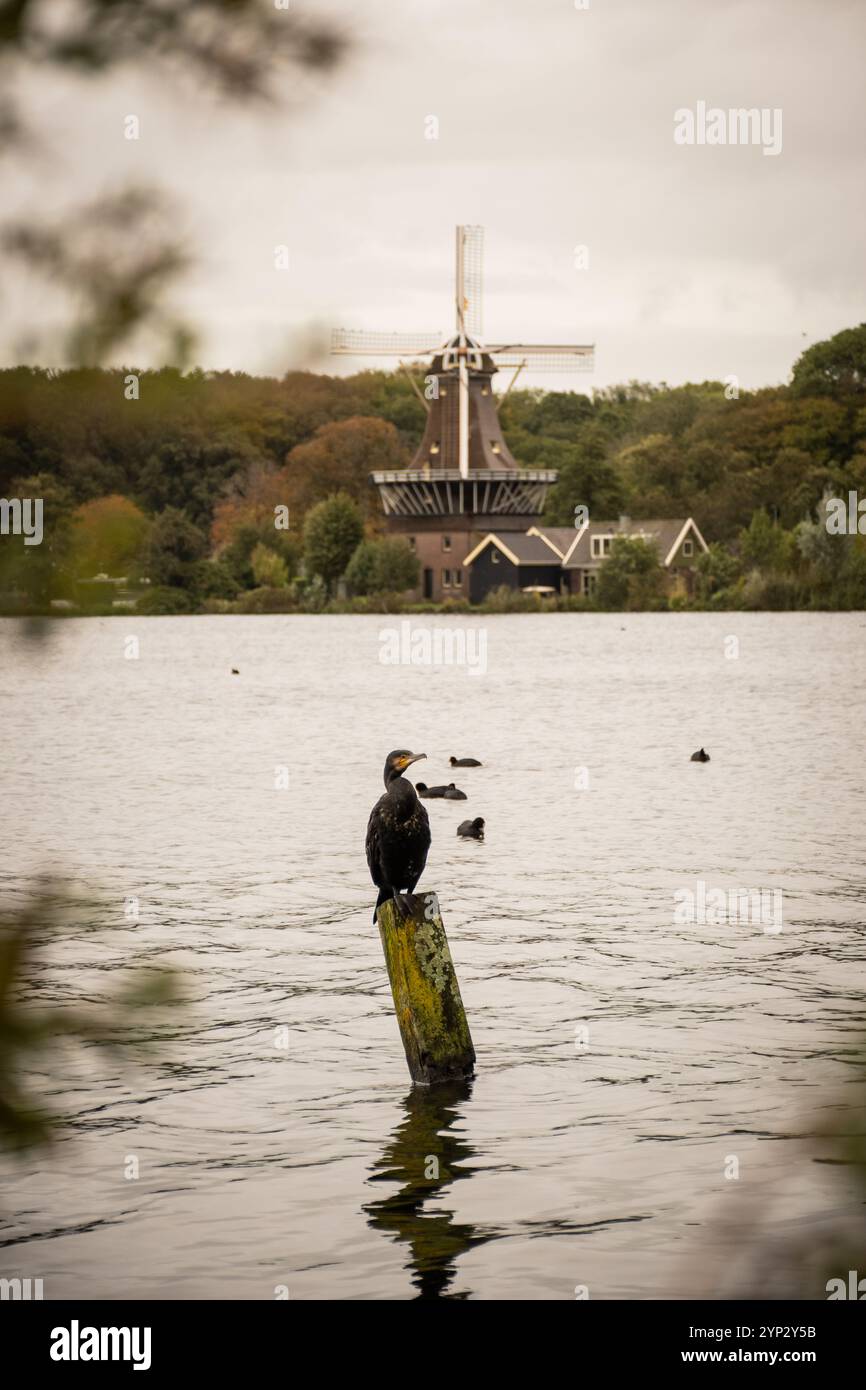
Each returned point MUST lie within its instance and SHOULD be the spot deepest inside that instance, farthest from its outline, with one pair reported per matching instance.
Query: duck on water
(450, 793)
(398, 833)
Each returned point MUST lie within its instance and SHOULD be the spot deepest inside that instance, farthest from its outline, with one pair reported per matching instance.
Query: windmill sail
(357, 342)
(470, 281)
(540, 357)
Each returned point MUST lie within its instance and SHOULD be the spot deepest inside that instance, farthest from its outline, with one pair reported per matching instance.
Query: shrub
(163, 600)
(266, 600)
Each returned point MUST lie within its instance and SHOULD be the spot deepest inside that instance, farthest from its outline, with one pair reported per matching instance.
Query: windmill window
(458, 579)
(688, 547)
(494, 556)
(446, 542)
(494, 446)
(411, 540)
(434, 448)
(446, 579)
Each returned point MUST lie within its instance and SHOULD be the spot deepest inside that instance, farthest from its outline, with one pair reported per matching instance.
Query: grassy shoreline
(392, 606)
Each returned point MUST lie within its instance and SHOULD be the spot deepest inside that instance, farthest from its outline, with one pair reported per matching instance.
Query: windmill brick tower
(463, 481)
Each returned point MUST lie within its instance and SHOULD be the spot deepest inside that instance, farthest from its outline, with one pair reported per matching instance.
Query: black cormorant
(398, 833)
(700, 757)
(471, 829)
(464, 762)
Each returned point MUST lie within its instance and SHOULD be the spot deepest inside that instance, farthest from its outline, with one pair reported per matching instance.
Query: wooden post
(426, 993)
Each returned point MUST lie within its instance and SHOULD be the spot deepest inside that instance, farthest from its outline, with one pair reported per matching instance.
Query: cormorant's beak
(413, 758)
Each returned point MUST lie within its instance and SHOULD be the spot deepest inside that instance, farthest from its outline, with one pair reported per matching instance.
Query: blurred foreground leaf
(29, 1033)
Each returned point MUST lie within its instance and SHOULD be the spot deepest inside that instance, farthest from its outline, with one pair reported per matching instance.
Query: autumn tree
(108, 536)
(258, 498)
(340, 458)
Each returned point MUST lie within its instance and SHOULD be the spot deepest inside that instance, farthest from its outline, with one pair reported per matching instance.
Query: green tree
(382, 566)
(654, 470)
(173, 550)
(214, 579)
(717, 570)
(631, 576)
(40, 572)
(764, 545)
(332, 532)
(269, 570)
(835, 367)
(586, 478)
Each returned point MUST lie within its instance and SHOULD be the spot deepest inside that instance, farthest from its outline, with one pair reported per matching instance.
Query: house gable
(688, 544)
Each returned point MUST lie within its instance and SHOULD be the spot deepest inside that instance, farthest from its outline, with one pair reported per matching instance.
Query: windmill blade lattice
(360, 342)
(473, 280)
(562, 358)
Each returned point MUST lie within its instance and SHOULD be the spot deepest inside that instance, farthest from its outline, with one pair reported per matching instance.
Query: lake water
(624, 1056)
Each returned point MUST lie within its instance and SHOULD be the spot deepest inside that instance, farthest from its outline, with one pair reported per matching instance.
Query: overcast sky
(555, 130)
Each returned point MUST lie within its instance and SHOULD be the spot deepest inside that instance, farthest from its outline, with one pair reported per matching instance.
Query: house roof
(519, 548)
(665, 533)
(559, 538)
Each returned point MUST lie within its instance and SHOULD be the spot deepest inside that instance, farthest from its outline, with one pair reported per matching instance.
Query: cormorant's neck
(402, 791)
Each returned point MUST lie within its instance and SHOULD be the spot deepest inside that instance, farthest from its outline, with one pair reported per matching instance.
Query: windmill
(463, 481)
(463, 357)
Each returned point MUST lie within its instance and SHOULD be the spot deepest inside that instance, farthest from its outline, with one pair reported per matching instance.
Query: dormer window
(601, 546)
(688, 547)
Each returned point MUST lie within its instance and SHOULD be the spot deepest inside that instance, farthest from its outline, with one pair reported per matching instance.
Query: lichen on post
(426, 993)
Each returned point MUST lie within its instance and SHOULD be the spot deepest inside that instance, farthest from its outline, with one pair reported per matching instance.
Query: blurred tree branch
(118, 256)
(27, 1031)
(119, 292)
(239, 45)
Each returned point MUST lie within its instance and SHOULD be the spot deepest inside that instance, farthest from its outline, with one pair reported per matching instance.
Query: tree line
(221, 488)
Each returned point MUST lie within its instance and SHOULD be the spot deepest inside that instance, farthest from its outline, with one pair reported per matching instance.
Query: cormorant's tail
(384, 895)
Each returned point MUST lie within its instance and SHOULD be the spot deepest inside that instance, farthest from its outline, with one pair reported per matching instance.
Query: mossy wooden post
(426, 993)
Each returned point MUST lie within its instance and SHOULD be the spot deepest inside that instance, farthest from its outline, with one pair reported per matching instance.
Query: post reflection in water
(424, 1156)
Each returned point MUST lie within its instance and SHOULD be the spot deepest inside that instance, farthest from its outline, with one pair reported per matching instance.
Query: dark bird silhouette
(453, 793)
(471, 829)
(700, 757)
(398, 833)
(464, 762)
(423, 790)
(235, 671)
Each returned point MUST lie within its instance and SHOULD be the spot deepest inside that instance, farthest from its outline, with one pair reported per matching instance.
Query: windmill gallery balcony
(446, 492)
